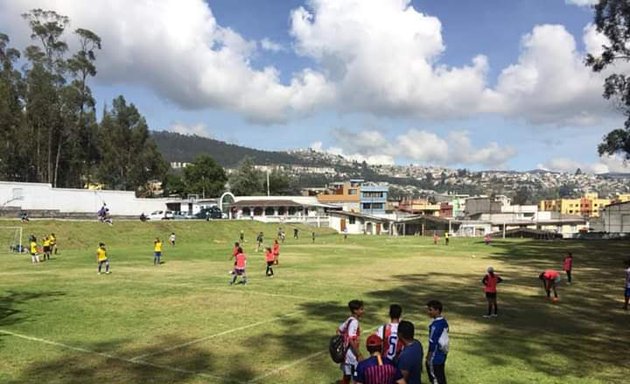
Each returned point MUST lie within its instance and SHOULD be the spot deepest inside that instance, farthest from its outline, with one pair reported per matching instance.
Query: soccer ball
(230, 272)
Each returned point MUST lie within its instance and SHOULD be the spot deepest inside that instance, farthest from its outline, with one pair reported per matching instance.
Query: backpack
(337, 347)
(443, 341)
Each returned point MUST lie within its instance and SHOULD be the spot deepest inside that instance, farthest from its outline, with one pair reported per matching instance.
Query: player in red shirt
(567, 266)
(239, 267)
(550, 279)
(490, 281)
(276, 252)
(269, 258)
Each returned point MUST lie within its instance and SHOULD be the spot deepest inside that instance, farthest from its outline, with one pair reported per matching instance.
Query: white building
(42, 197)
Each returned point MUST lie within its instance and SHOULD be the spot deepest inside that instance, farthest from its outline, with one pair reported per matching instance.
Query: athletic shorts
(47, 248)
(239, 272)
(348, 369)
(491, 295)
(270, 263)
(628, 292)
(157, 254)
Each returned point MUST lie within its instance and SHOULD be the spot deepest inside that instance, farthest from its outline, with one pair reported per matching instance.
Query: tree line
(49, 131)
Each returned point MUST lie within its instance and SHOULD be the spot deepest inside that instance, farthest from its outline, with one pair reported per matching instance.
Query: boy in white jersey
(351, 332)
(389, 334)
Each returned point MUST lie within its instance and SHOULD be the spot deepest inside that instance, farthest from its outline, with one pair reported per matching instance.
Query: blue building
(373, 199)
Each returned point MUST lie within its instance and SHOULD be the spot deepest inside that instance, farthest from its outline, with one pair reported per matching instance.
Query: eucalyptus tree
(12, 154)
(130, 158)
(612, 19)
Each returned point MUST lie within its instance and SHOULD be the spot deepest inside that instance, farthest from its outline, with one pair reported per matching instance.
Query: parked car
(182, 215)
(161, 215)
(209, 213)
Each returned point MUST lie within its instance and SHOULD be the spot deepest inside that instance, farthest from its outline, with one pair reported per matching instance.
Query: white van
(160, 215)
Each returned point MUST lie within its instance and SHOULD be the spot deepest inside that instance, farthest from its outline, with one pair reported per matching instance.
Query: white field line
(285, 367)
(109, 356)
(213, 336)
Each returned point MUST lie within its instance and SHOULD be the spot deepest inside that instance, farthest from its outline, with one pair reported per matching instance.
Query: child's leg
(496, 307)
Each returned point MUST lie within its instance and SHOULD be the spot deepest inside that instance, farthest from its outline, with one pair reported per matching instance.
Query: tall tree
(130, 158)
(45, 80)
(612, 18)
(79, 137)
(13, 159)
(204, 177)
(247, 180)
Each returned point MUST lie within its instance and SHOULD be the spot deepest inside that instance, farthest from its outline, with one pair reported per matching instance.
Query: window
(352, 191)
(351, 220)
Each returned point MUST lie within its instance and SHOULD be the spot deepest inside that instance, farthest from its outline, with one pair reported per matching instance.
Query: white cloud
(198, 129)
(605, 164)
(550, 83)
(382, 56)
(269, 45)
(582, 3)
(177, 48)
(417, 146)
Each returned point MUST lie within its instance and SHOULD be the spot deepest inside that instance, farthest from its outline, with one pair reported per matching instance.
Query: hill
(176, 147)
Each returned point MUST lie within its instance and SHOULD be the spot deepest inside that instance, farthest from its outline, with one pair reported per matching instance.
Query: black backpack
(337, 348)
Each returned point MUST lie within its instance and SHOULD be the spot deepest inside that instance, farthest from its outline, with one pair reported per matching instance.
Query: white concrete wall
(40, 196)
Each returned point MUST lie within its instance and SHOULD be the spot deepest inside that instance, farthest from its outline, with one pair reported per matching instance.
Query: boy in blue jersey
(438, 343)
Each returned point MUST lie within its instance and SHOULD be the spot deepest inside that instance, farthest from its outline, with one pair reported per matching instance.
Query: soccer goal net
(11, 240)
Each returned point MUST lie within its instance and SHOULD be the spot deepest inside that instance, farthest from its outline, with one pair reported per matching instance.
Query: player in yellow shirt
(157, 251)
(33, 250)
(46, 247)
(101, 258)
(53, 243)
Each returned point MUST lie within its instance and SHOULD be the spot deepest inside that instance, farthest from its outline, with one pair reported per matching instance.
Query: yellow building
(588, 206)
(621, 198)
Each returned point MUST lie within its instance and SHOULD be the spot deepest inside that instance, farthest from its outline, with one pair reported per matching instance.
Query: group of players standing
(272, 256)
(49, 246)
(396, 356)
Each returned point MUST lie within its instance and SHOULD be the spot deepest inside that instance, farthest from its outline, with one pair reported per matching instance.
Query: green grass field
(182, 323)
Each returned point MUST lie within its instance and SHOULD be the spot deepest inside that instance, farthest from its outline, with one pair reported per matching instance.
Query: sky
(476, 84)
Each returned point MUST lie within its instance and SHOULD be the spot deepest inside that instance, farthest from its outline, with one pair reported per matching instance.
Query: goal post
(11, 240)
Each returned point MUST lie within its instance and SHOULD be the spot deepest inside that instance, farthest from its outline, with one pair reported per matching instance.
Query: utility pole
(268, 182)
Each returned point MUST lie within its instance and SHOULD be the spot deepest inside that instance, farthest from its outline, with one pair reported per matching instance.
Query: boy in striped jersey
(377, 369)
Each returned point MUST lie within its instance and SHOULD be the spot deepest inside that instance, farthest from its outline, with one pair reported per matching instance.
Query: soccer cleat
(494, 315)
(486, 316)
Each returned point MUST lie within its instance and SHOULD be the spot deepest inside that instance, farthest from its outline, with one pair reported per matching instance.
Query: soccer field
(181, 322)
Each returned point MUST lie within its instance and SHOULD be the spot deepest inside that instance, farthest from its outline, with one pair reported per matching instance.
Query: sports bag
(337, 347)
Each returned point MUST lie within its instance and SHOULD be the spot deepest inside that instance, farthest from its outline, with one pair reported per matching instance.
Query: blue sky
(478, 84)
